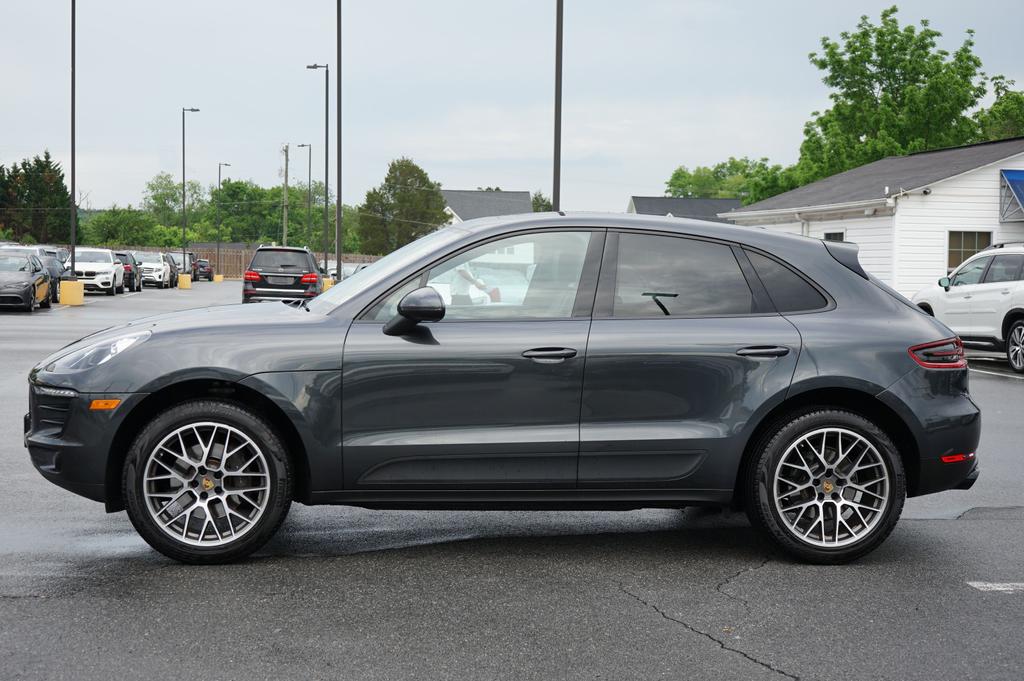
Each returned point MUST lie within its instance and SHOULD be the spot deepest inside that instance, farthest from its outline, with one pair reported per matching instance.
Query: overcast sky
(463, 87)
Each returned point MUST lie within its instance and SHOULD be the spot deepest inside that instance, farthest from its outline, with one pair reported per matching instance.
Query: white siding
(969, 202)
(872, 234)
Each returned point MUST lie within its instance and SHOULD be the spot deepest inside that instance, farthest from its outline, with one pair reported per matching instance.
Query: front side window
(971, 272)
(665, 276)
(529, 276)
(1004, 268)
(963, 245)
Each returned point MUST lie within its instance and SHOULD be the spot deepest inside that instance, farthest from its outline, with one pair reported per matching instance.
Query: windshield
(176, 257)
(19, 251)
(149, 257)
(396, 261)
(93, 256)
(14, 263)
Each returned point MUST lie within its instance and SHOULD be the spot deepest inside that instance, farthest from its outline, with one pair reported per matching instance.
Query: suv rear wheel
(828, 486)
(1015, 346)
(207, 482)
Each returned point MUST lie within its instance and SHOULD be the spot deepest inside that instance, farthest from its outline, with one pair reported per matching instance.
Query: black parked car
(645, 362)
(204, 270)
(53, 267)
(24, 282)
(279, 273)
(175, 270)
(186, 264)
(132, 270)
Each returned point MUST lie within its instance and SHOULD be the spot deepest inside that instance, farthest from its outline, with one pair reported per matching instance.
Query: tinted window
(529, 276)
(788, 290)
(1004, 268)
(971, 272)
(93, 256)
(270, 259)
(661, 276)
(150, 257)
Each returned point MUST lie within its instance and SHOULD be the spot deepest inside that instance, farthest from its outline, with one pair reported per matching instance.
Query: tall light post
(74, 204)
(217, 208)
(184, 212)
(338, 206)
(327, 130)
(556, 190)
(309, 186)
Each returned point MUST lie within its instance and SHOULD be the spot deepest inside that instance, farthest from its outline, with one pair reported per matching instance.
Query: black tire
(758, 495)
(236, 416)
(1015, 346)
(112, 290)
(120, 289)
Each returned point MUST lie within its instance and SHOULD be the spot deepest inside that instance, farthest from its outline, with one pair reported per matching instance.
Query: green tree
(736, 178)
(1005, 118)
(893, 92)
(162, 199)
(541, 203)
(120, 226)
(406, 206)
(34, 201)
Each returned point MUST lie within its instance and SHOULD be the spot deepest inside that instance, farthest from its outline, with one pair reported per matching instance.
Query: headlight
(18, 285)
(96, 354)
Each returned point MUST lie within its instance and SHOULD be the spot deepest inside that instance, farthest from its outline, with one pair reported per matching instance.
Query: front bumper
(69, 444)
(97, 283)
(15, 297)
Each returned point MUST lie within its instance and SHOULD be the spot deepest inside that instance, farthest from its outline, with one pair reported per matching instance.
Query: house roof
(469, 204)
(697, 209)
(913, 171)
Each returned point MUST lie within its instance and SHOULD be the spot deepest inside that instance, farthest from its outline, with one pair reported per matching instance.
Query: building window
(835, 236)
(963, 245)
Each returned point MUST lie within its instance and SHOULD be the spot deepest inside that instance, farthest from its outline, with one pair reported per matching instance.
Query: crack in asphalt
(720, 587)
(694, 630)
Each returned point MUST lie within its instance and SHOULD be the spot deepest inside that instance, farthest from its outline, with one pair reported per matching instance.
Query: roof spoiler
(845, 254)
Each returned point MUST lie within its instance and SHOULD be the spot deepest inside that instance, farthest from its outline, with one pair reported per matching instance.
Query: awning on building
(1011, 196)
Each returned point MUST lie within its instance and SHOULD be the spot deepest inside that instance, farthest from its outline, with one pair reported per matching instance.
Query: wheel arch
(848, 399)
(202, 388)
(1016, 313)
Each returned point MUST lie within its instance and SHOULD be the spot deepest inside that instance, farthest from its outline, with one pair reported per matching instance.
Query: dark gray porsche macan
(530, 362)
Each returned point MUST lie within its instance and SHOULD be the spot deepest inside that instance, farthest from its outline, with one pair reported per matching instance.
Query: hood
(224, 343)
(14, 277)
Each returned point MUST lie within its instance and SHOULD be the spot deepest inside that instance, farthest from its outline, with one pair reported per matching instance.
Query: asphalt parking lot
(349, 593)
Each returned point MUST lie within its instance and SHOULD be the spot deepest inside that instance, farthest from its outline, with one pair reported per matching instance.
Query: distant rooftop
(898, 173)
(696, 209)
(468, 204)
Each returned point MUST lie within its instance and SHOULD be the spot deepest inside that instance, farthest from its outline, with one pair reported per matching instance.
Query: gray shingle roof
(474, 203)
(697, 209)
(895, 172)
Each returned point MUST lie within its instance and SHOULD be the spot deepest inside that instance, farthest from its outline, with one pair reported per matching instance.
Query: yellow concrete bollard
(217, 278)
(328, 283)
(71, 293)
(184, 281)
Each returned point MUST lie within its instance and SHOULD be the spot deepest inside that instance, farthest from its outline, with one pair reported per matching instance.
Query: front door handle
(763, 351)
(549, 355)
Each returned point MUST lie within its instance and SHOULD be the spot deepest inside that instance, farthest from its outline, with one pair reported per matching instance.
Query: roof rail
(1004, 244)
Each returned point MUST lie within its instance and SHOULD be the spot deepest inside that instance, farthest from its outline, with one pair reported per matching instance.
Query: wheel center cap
(207, 484)
(826, 486)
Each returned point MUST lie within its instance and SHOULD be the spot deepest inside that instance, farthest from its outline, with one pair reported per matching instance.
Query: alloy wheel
(831, 488)
(1015, 352)
(206, 484)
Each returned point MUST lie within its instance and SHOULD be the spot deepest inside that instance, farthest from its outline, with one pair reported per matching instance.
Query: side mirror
(422, 305)
(944, 283)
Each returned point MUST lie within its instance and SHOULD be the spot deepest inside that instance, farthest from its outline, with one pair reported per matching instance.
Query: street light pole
(556, 191)
(217, 208)
(338, 206)
(327, 130)
(309, 187)
(74, 203)
(184, 212)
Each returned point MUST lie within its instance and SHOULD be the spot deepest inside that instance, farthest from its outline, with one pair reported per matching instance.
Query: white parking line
(1001, 587)
(997, 373)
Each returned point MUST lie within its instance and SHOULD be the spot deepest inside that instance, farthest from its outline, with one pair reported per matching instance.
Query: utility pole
(556, 190)
(284, 200)
(339, 211)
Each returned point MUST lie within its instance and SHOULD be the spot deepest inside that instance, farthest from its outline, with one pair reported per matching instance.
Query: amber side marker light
(103, 405)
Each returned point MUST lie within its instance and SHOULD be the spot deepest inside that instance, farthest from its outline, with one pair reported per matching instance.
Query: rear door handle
(549, 355)
(763, 351)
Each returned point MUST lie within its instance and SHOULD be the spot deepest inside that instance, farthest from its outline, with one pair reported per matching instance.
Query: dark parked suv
(281, 273)
(527, 362)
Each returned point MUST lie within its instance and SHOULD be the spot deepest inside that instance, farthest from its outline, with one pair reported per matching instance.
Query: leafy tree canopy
(541, 203)
(406, 206)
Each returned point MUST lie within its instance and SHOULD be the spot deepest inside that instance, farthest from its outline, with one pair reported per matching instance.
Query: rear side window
(1004, 268)
(663, 276)
(788, 290)
(290, 260)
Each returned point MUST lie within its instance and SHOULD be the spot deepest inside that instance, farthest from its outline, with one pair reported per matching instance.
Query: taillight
(127, 268)
(251, 276)
(943, 354)
(308, 278)
(957, 458)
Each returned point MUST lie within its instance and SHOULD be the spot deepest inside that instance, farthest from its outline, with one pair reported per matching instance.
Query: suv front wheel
(827, 485)
(1015, 346)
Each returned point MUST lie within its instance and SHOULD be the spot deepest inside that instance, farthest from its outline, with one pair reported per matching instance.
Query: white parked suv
(99, 270)
(155, 269)
(983, 301)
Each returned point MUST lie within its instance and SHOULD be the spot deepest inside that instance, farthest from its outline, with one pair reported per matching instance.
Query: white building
(914, 217)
